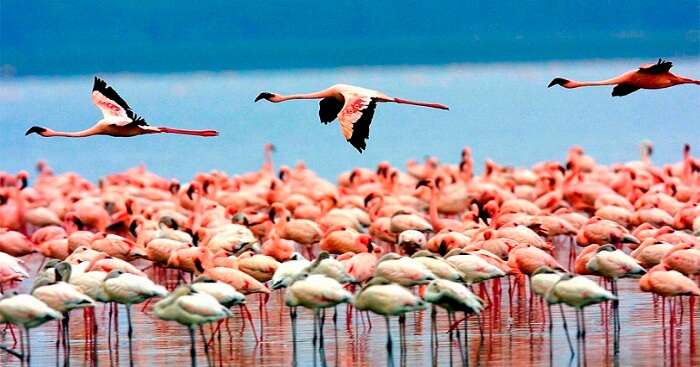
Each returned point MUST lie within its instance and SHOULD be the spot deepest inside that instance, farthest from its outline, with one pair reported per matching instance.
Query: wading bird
(28, 312)
(648, 76)
(119, 120)
(353, 106)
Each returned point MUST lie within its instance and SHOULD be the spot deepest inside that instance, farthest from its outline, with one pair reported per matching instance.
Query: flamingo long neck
(433, 209)
(576, 84)
(268, 166)
(374, 208)
(684, 80)
(71, 134)
(314, 95)
(419, 103)
(21, 206)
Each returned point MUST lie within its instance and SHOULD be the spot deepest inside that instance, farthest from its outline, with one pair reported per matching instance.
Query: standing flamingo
(315, 291)
(387, 299)
(129, 289)
(190, 309)
(353, 106)
(648, 76)
(118, 120)
(28, 312)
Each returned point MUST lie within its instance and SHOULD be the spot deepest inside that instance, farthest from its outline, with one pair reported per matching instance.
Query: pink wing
(355, 118)
(108, 108)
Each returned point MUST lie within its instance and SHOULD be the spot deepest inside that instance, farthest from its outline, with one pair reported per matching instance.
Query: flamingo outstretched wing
(329, 108)
(113, 106)
(623, 90)
(355, 118)
(662, 66)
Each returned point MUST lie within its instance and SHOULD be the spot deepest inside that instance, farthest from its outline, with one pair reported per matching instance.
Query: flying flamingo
(119, 120)
(353, 106)
(648, 76)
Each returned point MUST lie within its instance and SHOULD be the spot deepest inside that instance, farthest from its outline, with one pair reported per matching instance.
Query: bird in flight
(118, 120)
(353, 106)
(648, 76)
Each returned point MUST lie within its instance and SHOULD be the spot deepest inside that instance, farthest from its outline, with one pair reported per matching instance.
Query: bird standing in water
(648, 76)
(118, 120)
(353, 106)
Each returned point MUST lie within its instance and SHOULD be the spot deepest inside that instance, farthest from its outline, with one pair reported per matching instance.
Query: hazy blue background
(78, 37)
(200, 66)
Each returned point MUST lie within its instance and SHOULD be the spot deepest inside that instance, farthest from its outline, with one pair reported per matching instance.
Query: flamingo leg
(566, 329)
(11, 351)
(206, 345)
(130, 333)
(193, 352)
(388, 333)
(250, 320)
(466, 339)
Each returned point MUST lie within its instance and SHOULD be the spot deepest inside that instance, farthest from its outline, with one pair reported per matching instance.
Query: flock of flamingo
(383, 241)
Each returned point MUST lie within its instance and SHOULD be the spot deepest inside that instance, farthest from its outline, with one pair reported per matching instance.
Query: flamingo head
(558, 81)
(427, 183)
(267, 96)
(38, 130)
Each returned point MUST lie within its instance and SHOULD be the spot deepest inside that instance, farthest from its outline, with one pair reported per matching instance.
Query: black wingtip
(35, 129)
(557, 81)
(264, 95)
(98, 84)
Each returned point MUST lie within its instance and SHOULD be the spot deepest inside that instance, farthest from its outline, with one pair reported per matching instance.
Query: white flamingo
(28, 312)
(190, 308)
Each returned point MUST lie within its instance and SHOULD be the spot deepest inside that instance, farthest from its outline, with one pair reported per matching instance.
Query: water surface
(503, 111)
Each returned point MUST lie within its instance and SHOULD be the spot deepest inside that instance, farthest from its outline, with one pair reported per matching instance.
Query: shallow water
(509, 339)
(503, 111)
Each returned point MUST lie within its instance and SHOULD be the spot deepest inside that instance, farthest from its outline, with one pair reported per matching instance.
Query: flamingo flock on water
(381, 241)
(385, 241)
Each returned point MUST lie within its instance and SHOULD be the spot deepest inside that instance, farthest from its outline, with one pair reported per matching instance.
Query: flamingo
(62, 297)
(118, 119)
(454, 297)
(315, 291)
(15, 243)
(577, 292)
(332, 268)
(287, 271)
(402, 270)
(612, 263)
(27, 312)
(648, 76)
(387, 299)
(190, 308)
(129, 289)
(352, 106)
(437, 265)
(224, 293)
(411, 241)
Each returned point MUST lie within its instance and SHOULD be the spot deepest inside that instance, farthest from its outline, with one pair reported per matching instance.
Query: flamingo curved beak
(557, 81)
(35, 129)
(264, 95)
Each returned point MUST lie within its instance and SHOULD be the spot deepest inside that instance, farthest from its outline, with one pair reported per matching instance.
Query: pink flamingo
(353, 106)
(648, 76)
(118, 121)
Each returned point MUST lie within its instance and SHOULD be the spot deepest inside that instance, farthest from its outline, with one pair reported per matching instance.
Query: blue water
(503, 111)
